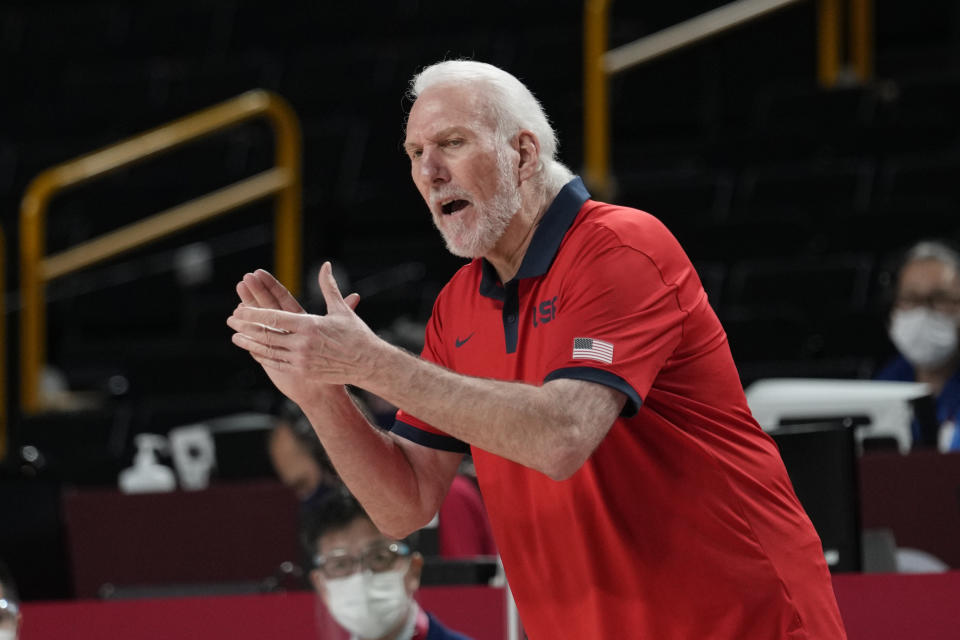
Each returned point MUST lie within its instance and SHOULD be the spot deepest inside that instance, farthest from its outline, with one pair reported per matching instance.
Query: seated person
(925, 327)
(298, 457)
(301, 463)
(9, 606)
(366, 580)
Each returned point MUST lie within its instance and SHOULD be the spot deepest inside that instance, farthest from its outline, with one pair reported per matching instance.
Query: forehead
(282, 441)
(354, 538)
(928, 275)
(443, 107)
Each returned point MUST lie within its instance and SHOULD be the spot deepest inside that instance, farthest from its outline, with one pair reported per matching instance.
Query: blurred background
(792, 196)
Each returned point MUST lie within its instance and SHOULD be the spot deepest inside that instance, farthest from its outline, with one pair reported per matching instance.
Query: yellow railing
(36, 268)
(596, 99)
(600, 64)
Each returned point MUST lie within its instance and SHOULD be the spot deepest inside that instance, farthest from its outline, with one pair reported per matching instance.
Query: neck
(507, 255)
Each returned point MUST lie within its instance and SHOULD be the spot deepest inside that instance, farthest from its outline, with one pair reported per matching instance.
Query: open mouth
(453, 206)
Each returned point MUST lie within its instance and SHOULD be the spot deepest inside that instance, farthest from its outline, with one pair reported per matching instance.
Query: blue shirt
(948, 402)
(437, 631)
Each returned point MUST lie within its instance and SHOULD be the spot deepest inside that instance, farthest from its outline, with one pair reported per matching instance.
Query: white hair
(933, 250)
(512, 106)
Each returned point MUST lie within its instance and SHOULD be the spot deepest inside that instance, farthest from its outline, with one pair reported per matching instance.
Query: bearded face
(472, 224)
(463, 168)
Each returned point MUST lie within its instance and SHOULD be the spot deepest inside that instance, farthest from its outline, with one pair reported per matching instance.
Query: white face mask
(369, 604)
(925, 337)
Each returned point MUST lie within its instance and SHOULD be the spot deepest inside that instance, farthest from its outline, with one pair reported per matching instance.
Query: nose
(432, 166)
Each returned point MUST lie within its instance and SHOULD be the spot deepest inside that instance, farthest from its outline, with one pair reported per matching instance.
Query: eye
(453, 142)
(339, 566)
(380, 559)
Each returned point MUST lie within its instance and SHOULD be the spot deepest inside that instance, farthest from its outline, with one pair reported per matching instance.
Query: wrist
(386, 369)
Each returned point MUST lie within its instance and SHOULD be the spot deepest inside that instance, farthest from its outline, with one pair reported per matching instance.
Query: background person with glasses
(925, 329)
(366, 580)
(9, 606)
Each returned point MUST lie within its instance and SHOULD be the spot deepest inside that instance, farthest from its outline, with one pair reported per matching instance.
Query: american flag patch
(592, 349)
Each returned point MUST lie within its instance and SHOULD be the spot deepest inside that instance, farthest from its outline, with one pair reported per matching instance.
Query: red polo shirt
(683, 523)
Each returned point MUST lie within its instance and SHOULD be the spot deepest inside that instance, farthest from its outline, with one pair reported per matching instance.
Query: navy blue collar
(546, 239)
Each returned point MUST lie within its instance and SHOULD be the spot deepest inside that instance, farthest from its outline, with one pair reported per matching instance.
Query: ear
(412, 579)
(528, 146)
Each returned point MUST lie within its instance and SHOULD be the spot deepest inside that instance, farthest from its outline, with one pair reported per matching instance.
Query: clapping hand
(302, 352)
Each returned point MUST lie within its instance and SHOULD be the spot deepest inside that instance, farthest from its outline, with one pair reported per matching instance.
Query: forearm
(552, 428)
(395, 498)
(537, 426)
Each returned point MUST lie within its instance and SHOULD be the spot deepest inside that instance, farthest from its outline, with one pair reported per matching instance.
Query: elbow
(401, 523)
(395, 531)
(565, 459)
(400, 529)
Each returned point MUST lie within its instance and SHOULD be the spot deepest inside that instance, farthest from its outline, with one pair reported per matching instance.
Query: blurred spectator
(9, 606)
(925, 327)
(301, 464)
(366, 580)
(298, 457)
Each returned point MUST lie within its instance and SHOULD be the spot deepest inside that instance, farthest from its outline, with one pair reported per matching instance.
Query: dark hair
(336, 511)
(9, 586)
(289, 415)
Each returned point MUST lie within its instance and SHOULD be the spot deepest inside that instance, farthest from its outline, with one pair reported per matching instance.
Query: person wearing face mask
(925, 327)
(366, 580)
(9, 606)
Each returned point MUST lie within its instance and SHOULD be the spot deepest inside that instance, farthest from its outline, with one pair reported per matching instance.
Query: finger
(262, 333)
(262, 296)
(255, 321)
(246, 297)
(274, 365)
(330, 290)
(352, 300)
(259, 331)
(277, 292)
(258, 350)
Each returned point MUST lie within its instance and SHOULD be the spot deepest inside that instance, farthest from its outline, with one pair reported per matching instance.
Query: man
(925, 327)
(367, 581)
(628, 486)
(9, 606)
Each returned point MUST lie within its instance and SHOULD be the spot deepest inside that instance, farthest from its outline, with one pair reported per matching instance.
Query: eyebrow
(443, 133)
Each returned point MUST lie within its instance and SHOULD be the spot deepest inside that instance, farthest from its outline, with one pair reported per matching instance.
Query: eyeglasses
(8, 608)
(936, 300)
(378, 557)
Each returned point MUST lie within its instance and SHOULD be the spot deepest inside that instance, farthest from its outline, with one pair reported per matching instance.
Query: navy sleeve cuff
(427, 439)
(607, 379)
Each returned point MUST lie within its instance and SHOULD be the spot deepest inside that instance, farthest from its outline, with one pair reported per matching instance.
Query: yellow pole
(861, 38)
(596, 106)
(828, 42)
(32, 319)
(287, 220)
(164, 223)
(285, 180)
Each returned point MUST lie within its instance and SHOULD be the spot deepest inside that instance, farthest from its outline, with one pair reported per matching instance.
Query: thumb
(352, 300)
(330, 290)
